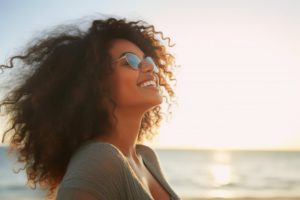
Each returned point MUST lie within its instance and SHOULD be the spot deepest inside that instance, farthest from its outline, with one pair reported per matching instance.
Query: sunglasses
(134, 61)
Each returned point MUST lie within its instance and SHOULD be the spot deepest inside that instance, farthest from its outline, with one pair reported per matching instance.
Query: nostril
(147, 67)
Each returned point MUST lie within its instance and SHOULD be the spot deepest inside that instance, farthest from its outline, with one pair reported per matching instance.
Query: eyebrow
(129, 52)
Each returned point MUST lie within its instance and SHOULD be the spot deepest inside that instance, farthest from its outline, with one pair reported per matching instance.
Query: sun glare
(221, 174)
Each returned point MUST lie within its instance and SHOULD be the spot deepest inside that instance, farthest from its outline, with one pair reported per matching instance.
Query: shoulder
(94, 161)
(146, 150)
(97, 152)
(150, 158)
(147, 153)
(97, 168)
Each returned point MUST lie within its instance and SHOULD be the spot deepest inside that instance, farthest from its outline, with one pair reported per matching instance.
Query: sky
(239, 80)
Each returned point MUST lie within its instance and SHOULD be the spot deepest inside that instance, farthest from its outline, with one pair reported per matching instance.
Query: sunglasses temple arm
(120, 58)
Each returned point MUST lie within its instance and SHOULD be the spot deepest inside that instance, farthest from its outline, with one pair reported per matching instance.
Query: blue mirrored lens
(133, 60)
(150, 61)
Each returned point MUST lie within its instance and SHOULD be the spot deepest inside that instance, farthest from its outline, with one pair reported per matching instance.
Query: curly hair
(60, 104)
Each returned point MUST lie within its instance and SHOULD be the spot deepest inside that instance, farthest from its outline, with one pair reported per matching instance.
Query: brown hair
(58, 106)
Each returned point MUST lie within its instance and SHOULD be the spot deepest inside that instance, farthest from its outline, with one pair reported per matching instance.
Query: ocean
(197, 174)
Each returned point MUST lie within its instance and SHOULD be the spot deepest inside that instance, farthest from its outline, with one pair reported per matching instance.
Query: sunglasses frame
(148, 59)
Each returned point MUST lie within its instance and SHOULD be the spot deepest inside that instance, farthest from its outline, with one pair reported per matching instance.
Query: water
(195, 173)
(198, 173)
(12, 185)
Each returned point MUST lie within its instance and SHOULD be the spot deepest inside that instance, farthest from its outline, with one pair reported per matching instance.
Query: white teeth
(147, 83)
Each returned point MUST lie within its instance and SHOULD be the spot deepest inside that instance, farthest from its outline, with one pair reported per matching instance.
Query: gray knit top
(99, 171)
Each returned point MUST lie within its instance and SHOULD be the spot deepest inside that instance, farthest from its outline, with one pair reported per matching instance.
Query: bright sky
(239, 83)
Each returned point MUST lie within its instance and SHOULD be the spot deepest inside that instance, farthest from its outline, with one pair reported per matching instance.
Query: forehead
(119, 46)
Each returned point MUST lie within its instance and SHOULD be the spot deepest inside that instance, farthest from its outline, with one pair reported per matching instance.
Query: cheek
(124, 88)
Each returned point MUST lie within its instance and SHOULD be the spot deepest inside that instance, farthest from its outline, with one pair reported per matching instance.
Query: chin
(155, 103)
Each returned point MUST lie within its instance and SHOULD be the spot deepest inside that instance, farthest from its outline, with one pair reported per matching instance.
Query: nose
(146, 66)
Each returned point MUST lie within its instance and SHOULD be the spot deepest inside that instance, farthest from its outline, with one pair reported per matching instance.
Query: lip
(151, 79)
(149, 88)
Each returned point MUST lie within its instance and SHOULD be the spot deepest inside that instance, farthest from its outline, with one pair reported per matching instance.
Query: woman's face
(127, 88)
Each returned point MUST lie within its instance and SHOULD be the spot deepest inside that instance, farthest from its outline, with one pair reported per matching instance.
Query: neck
(125, 132)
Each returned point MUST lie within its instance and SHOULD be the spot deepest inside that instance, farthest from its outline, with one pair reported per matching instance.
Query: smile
(151, 83)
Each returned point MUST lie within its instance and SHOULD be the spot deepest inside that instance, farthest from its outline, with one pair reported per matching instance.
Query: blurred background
(235, 132)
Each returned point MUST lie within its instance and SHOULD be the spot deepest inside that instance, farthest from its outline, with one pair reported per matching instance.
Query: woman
(80, 118)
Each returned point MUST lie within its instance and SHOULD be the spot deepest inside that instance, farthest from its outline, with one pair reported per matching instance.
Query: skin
(132, 100)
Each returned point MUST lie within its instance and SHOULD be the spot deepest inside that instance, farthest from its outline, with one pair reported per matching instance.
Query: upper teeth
(147, 83)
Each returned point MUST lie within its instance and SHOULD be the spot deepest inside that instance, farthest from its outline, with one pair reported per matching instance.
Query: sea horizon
(201, 174)
(162, 147)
